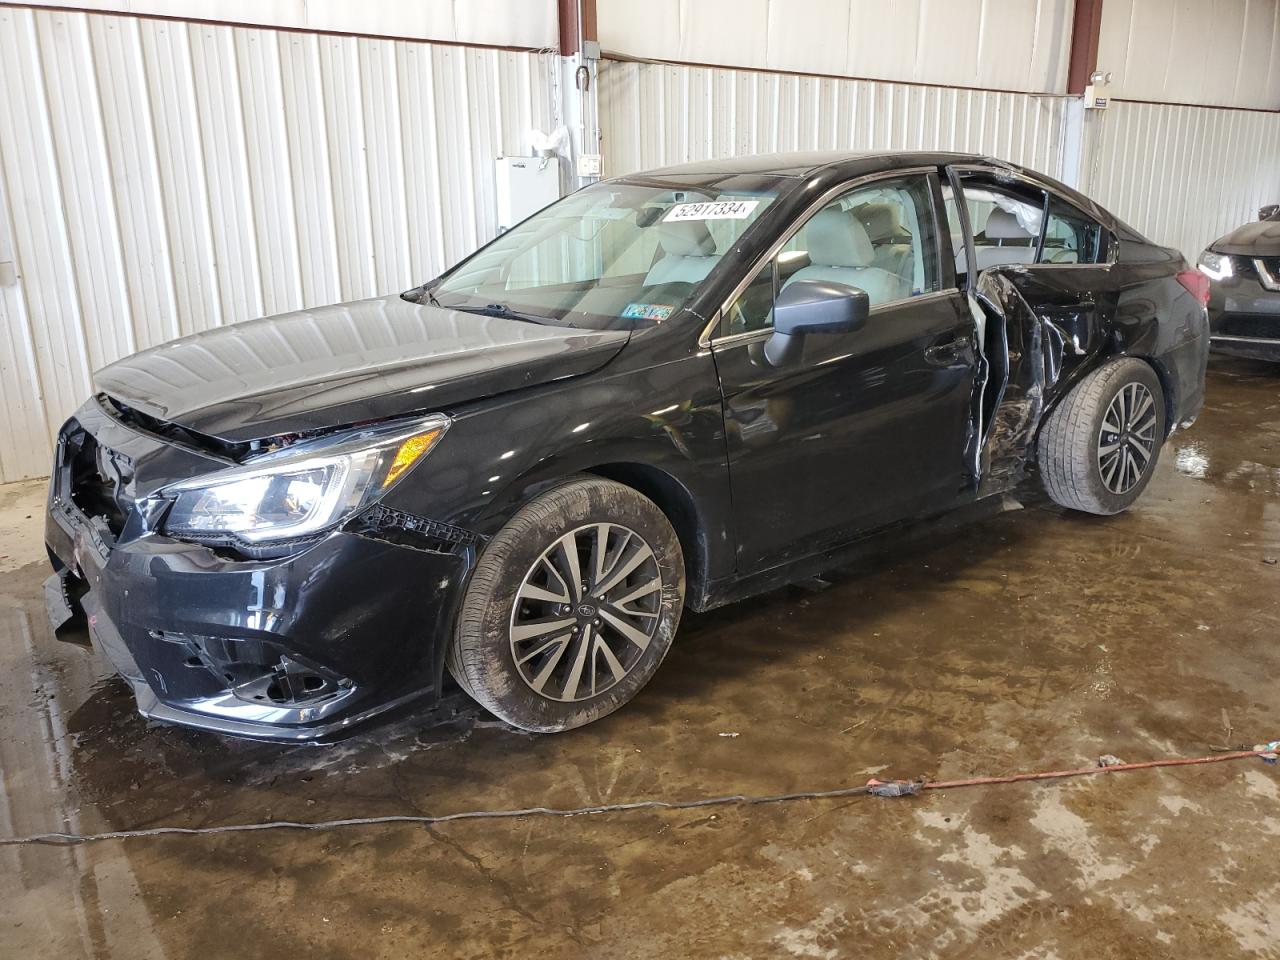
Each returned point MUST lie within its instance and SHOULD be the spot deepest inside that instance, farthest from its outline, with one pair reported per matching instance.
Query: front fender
(499, 454)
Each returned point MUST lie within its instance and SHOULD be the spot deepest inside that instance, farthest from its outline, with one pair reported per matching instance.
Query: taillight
(1196, 283)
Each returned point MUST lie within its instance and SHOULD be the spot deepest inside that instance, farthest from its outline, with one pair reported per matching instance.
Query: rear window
(1071, 237)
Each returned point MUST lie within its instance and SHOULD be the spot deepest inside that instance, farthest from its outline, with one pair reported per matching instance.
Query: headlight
(1215, 266)
(303, 489)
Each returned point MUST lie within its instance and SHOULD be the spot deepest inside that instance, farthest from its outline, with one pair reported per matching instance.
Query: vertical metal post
(1082, 62)
(577, 101)
(1073, 141)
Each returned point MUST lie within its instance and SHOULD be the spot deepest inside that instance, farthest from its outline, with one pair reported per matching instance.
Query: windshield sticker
(647, 311)
(711, 210)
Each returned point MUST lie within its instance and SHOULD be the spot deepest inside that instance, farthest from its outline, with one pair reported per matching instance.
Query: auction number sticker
(711, 210)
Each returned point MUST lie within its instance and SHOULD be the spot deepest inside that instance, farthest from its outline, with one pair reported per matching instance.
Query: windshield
(614, 255)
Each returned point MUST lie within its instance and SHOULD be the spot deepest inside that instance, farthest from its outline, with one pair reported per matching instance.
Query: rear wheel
(1099, 448)
(571, 608)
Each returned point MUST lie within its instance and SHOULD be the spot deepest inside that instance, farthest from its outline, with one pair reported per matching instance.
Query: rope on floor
(873, 787)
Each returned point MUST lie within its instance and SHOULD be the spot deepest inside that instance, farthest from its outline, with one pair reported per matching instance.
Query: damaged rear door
(1045, 286)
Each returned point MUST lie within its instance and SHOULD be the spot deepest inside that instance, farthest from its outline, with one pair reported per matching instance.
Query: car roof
(803, 163)
(844, 163)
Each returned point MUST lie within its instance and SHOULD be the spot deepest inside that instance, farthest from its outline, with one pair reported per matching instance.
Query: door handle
(945, 354)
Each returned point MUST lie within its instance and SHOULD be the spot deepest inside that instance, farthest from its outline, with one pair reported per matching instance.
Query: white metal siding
(512, 23)
(656, 114)
(1216, 52)
(998, 44)
(1182, 175)
(158, 178)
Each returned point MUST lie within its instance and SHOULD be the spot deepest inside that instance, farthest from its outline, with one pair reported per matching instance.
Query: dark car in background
(1244, 293)
(672, 389)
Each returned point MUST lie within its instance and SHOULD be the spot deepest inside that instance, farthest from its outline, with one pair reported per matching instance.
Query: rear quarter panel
(1066, 321)
(1158, 319)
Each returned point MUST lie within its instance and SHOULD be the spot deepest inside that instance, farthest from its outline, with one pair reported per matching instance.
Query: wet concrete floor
(1033, 640)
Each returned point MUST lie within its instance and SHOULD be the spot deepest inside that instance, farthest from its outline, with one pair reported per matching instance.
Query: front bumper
(1253, 347)
(300, 648)
(1244, 315)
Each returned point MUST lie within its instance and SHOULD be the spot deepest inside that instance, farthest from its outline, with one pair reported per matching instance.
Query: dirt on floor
(1033, 640)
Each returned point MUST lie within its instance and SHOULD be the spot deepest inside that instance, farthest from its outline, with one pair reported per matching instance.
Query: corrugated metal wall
(653, 114)
(997, 44)
(1184, 176)
(516, 23)
(1217, 52)
(158, 178)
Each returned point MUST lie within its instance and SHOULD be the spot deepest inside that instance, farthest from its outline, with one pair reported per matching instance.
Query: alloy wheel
(1127, 438)
(586, 612)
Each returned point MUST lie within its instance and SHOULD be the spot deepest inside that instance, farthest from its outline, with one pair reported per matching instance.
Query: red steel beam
(1086, 26)
(577, 24)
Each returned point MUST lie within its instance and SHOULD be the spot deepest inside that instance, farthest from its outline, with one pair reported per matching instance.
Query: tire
(1078, 447)
(513, 627)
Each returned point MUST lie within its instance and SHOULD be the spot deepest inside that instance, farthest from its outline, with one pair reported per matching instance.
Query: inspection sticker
(711, 210)
(647, 311)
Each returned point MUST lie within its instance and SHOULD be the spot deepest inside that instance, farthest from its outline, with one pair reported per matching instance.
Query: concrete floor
(1033, 640)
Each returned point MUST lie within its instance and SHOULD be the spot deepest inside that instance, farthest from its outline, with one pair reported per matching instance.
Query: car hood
(347, 363)
(1259, 239)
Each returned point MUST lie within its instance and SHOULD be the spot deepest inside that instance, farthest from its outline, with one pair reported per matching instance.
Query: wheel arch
(679, 507)
(1167, 387)
(1069, 383)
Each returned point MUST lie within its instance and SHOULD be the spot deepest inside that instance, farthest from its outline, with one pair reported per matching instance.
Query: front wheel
(571, 608)
(1099, 447)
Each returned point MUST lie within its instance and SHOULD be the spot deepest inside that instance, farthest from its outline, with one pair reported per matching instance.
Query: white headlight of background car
(1215, 266)
(303, 489)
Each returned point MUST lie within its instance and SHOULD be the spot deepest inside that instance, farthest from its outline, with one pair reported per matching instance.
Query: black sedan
(1244, 297)
(672, 389)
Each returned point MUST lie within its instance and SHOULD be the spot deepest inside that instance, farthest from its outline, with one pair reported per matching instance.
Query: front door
(862, 428)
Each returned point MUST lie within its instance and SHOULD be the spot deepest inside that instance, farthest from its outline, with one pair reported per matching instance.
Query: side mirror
(813, 306)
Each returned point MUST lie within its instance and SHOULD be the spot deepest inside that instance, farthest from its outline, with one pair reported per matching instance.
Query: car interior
(687, 253)
(1007, 226)
(870, 238)
(839, 249)
(890, 238)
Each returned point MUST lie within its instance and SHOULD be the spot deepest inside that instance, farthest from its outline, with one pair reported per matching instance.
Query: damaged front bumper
(295, 648)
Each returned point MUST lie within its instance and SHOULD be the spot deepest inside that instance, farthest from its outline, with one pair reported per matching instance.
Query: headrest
(837, 239)
(686, 238)
(1003, 225)
(882, 221)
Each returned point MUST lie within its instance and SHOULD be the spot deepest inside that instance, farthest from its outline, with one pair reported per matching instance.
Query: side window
(1071, 237)
(1006, 226)
(880, 238)
(753, 309)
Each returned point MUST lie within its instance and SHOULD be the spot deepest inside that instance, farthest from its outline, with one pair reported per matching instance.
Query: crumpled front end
(299, 645)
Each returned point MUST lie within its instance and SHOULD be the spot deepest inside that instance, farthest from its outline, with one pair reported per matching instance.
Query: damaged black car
(1244, 293)
(673, 389)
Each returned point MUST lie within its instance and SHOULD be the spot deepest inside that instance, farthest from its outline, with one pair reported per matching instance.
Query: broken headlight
(1215, 266)
(303, 489)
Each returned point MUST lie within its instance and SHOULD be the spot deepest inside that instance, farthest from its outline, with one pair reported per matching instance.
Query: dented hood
(1258, 239)
(347, 363)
